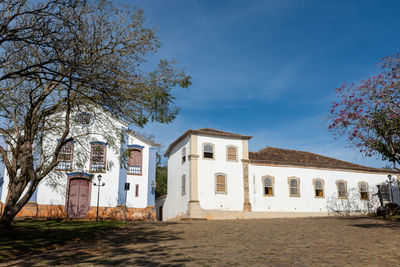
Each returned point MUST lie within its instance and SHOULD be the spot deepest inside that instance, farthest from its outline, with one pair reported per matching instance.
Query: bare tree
(62, 56)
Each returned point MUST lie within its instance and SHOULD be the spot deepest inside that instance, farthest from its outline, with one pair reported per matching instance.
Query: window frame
(298, 186)
(72, 157)
(236, 154)
(345, 189)
(273, 185)
(226, 183)
(213, 146)
(141, 167)
(323, 187)
(100, 144)
(359, 190)
(183, 185)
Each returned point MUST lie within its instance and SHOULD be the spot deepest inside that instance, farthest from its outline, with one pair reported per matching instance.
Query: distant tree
(369, 113)
(61, 56)
(161, 178)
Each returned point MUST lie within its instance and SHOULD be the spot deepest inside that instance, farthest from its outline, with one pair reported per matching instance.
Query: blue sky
(269, 68)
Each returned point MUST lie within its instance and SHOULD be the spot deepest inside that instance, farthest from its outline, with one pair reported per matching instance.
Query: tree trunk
(15, 203)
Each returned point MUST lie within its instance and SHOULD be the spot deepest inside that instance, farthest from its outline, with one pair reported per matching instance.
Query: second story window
(183, 155)
(135, 161)
(208, 151)
(98, 157)
(231, 153)
(65, 157)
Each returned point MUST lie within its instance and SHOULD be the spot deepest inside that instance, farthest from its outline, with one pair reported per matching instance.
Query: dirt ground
(263, 242)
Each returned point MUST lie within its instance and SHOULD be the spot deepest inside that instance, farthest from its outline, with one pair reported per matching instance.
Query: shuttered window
(363, 186)
(98, 158)
(268, 186)
(183, 183)
(65, 157)
(342, 189)
(319, 188)
(135, 161)
(220, 184)
(208, 151)
(294, 187)
(231, 153)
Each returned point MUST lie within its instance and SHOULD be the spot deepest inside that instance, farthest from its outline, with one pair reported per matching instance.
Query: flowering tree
(369, 112)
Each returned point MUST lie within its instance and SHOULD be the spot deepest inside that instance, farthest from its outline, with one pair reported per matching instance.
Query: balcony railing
(134, 170)
(64, 165)
(97, 167)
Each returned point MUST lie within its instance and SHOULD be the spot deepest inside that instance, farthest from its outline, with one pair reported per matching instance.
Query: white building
(212, 175)
(70, 190)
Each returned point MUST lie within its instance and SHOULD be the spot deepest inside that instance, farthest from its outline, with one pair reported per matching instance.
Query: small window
(268, 183)
(231, 153)
(83, 118)
(135, 161)
(183, 155)
(208, 151)
(294, 186)
(318, 188)
(183, 185)
(65, 157)
(363, 186)
(137, 190)
(98, 157)
(342, 189)
(220, 183)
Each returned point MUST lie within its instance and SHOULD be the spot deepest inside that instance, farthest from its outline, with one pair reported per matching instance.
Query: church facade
(212, 175)
(72, 188)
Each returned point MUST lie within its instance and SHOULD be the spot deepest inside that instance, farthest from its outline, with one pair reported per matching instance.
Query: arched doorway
(78, 197)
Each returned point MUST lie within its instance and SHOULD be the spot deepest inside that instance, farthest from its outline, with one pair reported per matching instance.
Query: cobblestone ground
(263, 242)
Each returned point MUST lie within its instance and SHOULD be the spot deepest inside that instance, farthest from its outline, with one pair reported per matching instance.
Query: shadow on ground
(137, 244)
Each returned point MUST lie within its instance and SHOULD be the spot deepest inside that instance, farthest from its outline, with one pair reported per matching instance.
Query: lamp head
(99, 177)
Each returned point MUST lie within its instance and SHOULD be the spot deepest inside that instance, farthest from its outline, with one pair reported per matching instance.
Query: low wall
(34, 210)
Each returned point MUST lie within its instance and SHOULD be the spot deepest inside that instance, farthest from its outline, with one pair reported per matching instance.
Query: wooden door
(78, 198)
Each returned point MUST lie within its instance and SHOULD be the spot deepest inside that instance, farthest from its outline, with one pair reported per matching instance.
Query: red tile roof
(279, 156)
(205, 131)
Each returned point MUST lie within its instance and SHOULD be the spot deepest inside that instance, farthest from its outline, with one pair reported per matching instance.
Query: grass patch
(33, 236)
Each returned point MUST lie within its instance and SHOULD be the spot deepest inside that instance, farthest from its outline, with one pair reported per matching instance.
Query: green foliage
(162, 179)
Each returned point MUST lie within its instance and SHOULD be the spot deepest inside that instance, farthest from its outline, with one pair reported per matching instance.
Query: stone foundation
(33, 210)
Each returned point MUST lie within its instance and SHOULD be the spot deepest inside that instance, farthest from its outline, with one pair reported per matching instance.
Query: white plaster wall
(52, 189)
(141, 180)
(207, 168)
(307, 202)
(176, 204)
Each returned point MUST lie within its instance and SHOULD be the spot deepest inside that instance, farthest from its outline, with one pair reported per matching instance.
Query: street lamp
(390, 181)
(98, 193)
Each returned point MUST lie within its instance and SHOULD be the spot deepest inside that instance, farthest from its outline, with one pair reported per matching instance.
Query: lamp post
(98, 194)
(390, 185)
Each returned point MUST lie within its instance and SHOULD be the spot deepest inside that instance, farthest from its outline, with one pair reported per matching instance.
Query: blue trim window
(66, 157)
(98, 157)
(135, 161)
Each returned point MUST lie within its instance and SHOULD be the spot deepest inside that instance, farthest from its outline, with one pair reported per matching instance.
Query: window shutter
(221, 184)
(135, 158)
(232, 153)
